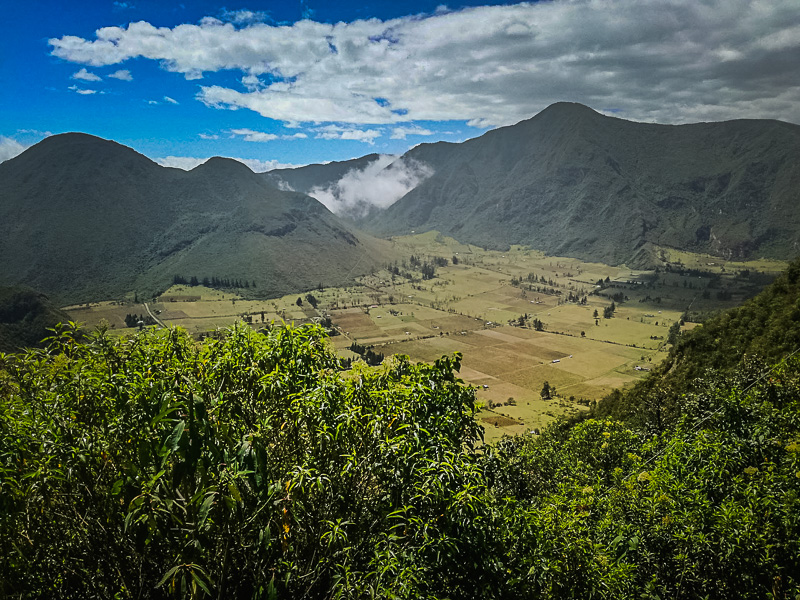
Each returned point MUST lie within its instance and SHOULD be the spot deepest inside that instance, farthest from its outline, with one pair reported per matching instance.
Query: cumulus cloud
(261, 136)
(651, 60)
(400, 133)
(82, 91)
(9, 148)
(254, 136)
(122, 75)
(337, 132)
(85, 75)
(187, 163)
(378, 185)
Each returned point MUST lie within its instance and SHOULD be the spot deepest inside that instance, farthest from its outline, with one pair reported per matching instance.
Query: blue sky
(278, 83)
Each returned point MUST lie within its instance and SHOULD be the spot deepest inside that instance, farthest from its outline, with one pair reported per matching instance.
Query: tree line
(214, 282)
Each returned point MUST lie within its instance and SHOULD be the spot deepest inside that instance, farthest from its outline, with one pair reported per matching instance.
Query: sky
(296, 82)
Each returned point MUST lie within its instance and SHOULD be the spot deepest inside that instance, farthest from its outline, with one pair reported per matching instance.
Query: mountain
(304, 179)
(85, 218)
(573, 182)
(25, 317)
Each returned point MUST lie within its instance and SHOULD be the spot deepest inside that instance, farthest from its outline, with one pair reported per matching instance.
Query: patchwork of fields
(486, 305)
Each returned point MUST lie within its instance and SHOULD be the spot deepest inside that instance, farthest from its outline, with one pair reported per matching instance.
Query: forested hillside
(764, 330)
(26, 317)
(252, 467)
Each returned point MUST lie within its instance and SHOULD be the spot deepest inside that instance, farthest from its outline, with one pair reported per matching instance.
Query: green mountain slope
(765, 328)
(573, 182)
(25, 318)
(84, 218)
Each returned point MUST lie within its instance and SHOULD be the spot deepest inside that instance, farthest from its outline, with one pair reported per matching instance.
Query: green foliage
(767, 326)
(709, 510)
(252, 467)
(152, 467)
(25, 317)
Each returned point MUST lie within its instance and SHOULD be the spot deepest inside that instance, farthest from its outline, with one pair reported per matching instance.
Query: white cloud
(254, 136)
(380, 184)
(262, 166)
(400, 133)
(651, 60)
(260, 136)
(122, 75)
(9, 148)
(479, 123)
(85, 75)
(336, 132)
(284, 186)
(244, 17)
(37, 132)
(208, 136)
(187, 163)
(170, 100)
(81, 91)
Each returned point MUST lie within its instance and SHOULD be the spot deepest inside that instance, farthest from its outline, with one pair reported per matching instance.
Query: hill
(573, 182)
(304, 179)
(765, 329)
(25, 318)
(85, 218)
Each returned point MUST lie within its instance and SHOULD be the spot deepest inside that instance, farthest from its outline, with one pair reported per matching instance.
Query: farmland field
(519, 318)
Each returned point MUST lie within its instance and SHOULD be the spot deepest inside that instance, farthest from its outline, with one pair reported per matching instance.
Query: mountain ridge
(572, 181)
(82, 217)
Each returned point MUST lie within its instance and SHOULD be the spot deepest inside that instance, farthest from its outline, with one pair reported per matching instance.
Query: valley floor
(507, 313)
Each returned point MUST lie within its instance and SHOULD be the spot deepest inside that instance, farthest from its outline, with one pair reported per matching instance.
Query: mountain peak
(219, 165)
(75, 140)
(575, 182)
(568, 109)
(66, 150)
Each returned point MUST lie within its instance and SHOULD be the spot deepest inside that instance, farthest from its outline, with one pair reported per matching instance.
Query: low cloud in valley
(378, 185)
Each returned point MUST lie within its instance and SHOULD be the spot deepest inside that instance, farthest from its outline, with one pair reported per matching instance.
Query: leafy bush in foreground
(252, 467)
(243, 467)
(710, 509)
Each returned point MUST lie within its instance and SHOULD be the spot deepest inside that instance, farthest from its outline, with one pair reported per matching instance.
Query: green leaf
(204, 509)
(199, 581)
(175, 437)
(169, 574)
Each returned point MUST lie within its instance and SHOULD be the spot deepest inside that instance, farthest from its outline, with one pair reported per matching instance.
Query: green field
(468, 307)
